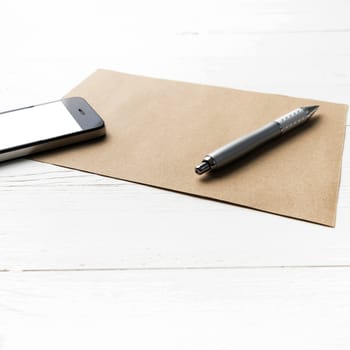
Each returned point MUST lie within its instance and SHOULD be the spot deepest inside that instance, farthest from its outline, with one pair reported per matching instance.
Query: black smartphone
(45, 126)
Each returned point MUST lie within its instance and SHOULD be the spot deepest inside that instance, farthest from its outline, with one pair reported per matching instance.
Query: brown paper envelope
(158, 130)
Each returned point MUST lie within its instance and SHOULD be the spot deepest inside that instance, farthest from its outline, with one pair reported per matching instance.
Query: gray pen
(236, 149)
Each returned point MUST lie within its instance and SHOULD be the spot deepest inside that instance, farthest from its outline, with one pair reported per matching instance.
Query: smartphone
(33, 129)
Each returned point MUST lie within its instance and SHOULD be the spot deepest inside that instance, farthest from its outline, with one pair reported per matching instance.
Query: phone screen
(36, 123)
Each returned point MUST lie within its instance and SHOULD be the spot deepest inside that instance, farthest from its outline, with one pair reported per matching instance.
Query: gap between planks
(252, 267)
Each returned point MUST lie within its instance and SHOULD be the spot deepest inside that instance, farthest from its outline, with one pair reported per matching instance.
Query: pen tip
(202, 168)
(311, 109)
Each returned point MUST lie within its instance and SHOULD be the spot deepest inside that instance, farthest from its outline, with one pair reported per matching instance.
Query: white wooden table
(90, 262)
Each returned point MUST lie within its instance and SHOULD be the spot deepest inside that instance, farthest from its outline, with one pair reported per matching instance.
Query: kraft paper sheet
(158, 130)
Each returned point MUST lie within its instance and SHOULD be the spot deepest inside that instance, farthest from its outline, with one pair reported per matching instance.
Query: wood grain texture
(187, 309)
(55, 218)
(61, 211)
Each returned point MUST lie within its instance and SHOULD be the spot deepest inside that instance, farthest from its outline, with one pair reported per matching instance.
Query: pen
(237, 148)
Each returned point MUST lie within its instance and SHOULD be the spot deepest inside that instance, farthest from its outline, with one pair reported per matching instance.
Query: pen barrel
(238, 148)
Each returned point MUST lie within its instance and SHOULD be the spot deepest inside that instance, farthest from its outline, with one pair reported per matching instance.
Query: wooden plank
(187, 309)
(57, 218)
(262, 70)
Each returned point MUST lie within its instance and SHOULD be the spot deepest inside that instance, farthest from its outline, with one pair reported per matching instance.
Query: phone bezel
(87, 120)
(91, 123)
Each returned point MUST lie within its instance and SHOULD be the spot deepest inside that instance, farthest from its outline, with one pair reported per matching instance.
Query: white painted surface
(177, 309)
(59, 219)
